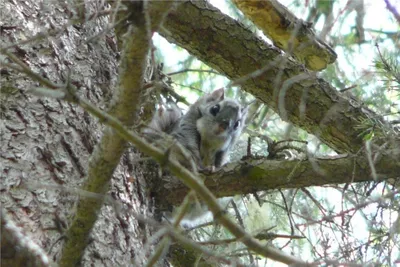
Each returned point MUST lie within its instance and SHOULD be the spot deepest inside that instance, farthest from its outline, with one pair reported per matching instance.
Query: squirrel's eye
(236, 125)
(214, 110)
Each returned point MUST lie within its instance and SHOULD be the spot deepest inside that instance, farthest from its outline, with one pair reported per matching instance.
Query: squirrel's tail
(165, 118)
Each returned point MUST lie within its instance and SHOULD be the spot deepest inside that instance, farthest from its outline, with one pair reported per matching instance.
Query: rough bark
(49, 142)
(253, 175)
(289, 33)
(286, 86)
(46, 142)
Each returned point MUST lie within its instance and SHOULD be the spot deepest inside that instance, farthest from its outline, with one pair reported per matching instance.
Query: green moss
(7, 90)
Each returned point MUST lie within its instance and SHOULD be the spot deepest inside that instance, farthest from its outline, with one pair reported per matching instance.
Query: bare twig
(393, 10)
(166, 241)
(194, 70)
(24, 248)
(330, 218)
(29, 72)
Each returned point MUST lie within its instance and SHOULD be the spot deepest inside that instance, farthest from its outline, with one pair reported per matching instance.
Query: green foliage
(387, 65)
(325, 7)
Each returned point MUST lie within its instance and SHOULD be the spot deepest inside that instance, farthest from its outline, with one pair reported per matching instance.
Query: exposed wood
(289, 33)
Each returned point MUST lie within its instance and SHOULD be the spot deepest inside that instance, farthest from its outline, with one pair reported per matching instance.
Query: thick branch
(111, 146)
(253, 175)
(227, 46)
(289, 33)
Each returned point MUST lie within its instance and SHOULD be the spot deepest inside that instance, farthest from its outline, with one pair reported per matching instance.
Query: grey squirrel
(207, 133)
(208, 130)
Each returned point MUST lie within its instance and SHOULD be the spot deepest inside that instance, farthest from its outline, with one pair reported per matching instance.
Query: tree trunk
(46, 144)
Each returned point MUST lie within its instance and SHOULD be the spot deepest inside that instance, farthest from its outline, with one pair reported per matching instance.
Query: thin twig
(29, 72)
(195, 70)
(393, 10)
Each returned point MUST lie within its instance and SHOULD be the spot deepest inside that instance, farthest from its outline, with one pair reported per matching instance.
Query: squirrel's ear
(217, 95)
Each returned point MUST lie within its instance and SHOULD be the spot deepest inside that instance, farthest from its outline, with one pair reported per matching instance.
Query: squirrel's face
(221, 122)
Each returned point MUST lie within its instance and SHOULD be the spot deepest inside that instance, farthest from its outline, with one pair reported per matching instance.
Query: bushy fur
(207, 137)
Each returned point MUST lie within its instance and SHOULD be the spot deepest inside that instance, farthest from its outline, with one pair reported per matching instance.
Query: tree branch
(17, 249)
(124, 106)
(393, 10)
(254, 175)
(289, 33)
(237, 53)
